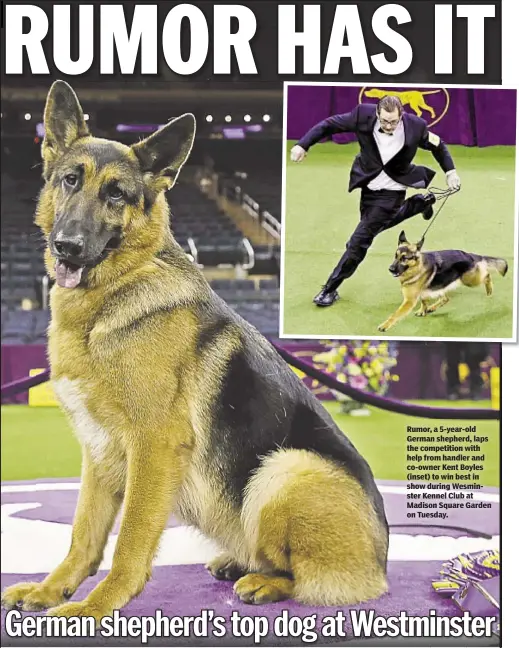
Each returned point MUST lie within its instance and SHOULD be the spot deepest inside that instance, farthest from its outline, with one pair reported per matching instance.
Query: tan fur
(264, 588)
(292, 529)
(429, 306)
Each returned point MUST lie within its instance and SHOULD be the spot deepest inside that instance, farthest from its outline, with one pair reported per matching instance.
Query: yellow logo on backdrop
(41, 395)
(417, 100)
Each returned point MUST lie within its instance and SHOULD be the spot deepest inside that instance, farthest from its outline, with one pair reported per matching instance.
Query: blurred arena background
(226, 213)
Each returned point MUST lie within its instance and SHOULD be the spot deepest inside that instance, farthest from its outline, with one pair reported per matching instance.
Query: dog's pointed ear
(63, 120)
(419, 245)
(402, 238)
(163, 154)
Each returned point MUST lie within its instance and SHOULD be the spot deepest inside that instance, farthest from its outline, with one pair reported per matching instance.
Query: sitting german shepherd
(428, 276)
(179, 404)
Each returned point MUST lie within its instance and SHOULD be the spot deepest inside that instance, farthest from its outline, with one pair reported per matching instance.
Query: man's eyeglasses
(392, 122)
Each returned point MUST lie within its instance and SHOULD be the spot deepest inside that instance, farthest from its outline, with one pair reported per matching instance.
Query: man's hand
(297, 154)
(453, 180)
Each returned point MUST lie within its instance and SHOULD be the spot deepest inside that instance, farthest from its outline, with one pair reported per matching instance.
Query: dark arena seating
(24, 326)
(250, 172)
(257, 302)
(22, 243)
(203, 229)
(212, 205)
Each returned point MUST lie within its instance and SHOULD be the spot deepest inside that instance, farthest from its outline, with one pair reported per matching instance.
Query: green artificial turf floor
(38, 442)
(320, 215)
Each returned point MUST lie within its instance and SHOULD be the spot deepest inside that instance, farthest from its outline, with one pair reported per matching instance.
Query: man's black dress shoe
(428, 212)
(326, 297)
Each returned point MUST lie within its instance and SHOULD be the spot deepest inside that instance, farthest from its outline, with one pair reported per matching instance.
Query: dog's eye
(114, 193)
(71, 179)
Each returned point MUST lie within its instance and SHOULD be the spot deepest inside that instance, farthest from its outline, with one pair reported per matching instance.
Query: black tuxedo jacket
(368, 163)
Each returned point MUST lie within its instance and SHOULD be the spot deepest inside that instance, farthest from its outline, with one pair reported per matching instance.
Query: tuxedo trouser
(379, 211)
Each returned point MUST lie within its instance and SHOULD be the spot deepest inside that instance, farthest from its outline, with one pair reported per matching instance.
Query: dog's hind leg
(439, 303)
(480, 274)
(424, 308)
(431, 307)
(314, 532)
(476, 276)
(489, 285)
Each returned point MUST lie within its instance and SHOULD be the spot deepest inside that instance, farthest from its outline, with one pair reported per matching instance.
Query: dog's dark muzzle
(70, 248)
(396, 269)
(82, 248)
(75, 255)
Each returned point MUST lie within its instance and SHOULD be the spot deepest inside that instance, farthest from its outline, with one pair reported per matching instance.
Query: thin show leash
(443, 195)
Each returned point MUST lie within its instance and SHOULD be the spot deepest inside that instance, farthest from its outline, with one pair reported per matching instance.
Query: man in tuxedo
(389, 139)
(472, 354)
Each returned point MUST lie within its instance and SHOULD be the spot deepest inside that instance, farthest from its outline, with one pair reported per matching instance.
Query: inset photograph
(399, 212)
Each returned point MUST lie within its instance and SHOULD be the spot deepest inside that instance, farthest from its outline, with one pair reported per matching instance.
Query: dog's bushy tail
(497, 264)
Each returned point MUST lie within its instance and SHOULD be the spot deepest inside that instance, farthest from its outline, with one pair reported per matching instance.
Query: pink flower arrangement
(366, 365)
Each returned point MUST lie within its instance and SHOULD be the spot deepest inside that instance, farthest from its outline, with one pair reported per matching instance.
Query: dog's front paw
(421, 313)
(77, 609)
(384, 326)
(32, 596)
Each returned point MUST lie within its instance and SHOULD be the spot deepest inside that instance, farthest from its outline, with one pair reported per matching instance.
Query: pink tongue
(66, 276)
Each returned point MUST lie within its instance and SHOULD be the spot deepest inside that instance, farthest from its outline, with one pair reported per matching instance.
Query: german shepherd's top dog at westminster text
(179, 404)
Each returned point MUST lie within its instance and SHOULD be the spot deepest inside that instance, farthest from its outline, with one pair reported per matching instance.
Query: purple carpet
(36, 530)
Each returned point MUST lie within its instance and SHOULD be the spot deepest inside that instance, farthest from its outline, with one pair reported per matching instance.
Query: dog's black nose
(71, 247)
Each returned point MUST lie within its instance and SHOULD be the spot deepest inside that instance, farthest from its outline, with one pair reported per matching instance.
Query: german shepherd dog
(179, 404)
(427, 277)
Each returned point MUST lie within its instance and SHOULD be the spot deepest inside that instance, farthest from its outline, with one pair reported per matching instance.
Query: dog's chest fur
(89, 432)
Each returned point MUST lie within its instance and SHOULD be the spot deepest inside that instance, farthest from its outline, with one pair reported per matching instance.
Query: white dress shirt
(388, 146)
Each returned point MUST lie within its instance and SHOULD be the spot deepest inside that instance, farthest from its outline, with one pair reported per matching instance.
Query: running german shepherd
(179, 404)
(428, 276)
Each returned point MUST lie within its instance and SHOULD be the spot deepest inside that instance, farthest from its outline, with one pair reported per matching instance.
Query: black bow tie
(384, 132)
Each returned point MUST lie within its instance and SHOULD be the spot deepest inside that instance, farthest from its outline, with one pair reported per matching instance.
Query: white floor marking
(38, 488)
(74, 486)
(35, 546)
(403, 490)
